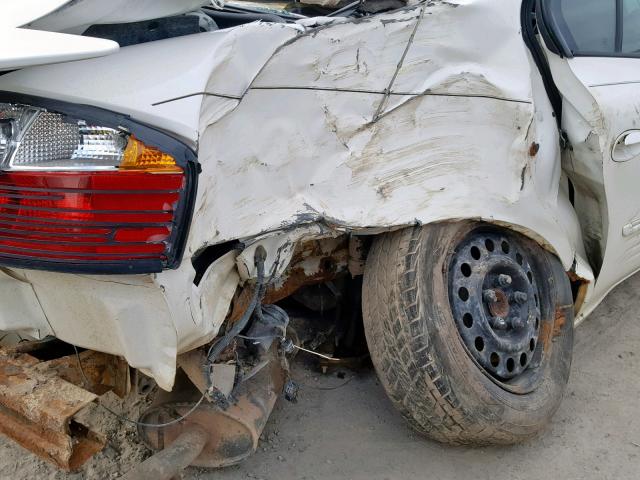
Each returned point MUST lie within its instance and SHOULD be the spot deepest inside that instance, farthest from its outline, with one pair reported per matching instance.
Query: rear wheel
(470, 329)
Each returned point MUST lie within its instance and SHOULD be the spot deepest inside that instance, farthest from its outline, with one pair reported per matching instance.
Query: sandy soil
(352, 432)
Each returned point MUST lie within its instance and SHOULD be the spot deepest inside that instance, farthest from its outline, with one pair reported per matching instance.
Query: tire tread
(403, 353)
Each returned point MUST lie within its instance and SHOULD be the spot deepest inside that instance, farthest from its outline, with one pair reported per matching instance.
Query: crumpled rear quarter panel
(417, 115)
(429, 113)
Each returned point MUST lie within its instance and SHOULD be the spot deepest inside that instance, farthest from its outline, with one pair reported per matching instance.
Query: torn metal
(308, 133)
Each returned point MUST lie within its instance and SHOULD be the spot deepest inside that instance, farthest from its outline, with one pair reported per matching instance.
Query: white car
(476, 161)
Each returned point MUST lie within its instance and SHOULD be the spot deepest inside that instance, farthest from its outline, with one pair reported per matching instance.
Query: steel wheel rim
(495, 302)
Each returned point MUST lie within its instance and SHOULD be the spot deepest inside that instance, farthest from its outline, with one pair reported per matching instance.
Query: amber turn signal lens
(138, 156)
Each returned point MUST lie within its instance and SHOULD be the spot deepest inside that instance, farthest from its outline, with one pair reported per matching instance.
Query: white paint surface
(74, 16)
(24, 48)
(16, 13)
(601, 103)
(425, 114)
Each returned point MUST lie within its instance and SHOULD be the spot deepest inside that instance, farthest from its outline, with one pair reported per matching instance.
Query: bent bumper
(147, 319)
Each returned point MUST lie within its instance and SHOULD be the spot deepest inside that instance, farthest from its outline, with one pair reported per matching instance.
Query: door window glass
(631, 26)
(597, 27)
(591, 23)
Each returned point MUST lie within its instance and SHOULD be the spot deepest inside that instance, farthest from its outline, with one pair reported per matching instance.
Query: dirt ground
(352, 432)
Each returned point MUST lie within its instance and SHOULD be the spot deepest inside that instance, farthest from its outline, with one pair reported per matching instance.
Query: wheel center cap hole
(499, 308)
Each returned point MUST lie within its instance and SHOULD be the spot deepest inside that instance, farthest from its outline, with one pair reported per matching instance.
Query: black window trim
(619, 25)
(562, 38)
(531, 26)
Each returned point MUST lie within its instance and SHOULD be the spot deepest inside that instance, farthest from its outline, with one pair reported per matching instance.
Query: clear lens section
(14, 119)
(53, 144)
(48, 142)
(33, 139)
(6, 132)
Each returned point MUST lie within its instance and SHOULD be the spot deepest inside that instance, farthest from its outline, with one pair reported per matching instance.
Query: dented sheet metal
(311, 130)
(221, 62)
(388, 110)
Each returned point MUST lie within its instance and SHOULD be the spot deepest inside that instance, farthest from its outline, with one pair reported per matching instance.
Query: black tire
(421, 359)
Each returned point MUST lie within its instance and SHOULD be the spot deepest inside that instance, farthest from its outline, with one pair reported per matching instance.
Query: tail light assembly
(88, 190)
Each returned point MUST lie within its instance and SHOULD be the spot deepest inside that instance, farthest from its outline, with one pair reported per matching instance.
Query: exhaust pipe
(232, 426)
(169, 462)
(232, 433)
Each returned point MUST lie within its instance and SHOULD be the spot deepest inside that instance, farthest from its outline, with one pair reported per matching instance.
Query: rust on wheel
(495, 302)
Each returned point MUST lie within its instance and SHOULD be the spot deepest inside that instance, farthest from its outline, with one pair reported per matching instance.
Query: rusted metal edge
(38, 410)
(328, 264)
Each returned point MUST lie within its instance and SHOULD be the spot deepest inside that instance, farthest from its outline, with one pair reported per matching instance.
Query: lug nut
(287, 346)
(518, 323)
(520, 297)
(498, 323)
(489, 296)
(504, 280)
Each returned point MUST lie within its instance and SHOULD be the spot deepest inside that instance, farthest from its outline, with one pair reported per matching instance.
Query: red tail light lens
(89, 216)
(87, 190)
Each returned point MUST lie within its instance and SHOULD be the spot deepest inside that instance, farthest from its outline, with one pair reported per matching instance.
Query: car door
(593, 51)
